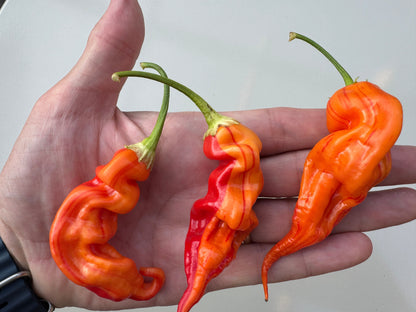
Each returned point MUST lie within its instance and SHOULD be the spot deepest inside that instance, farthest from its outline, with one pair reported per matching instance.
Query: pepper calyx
(219, 121)
(144, 152)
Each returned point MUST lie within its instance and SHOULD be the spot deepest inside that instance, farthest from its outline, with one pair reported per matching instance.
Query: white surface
(236, 55)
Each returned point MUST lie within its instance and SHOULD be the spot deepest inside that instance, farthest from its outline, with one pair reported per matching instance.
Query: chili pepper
(221, 220)
(364, 122)
(87, 219)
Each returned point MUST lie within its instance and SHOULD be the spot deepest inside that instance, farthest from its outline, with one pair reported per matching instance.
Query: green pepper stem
(213, 119)
(347, 78)
(146, 149)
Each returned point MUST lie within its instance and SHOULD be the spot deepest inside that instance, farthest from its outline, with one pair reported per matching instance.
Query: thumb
(113, 45)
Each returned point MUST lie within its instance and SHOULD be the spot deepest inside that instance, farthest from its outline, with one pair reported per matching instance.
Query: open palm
(76, 126)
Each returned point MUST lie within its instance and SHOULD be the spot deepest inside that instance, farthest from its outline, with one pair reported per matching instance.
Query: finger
(283, 173)
(380, 210)
(275, 219)
(114, 44)
(285, 129)
(337, 252)
(403, 169)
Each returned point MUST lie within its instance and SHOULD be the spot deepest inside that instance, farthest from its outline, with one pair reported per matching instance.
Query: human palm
(76, 126)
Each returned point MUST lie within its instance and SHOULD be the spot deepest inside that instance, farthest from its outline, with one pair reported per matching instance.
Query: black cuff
(17, 294)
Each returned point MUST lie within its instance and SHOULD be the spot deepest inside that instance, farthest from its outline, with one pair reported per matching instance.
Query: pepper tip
(265, 282)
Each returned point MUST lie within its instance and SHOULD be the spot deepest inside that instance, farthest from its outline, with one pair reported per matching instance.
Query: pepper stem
(146, 149)
(213, 119)
(347, 78)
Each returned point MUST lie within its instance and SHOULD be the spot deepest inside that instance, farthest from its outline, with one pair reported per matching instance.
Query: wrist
(16, 293)
(13, 246)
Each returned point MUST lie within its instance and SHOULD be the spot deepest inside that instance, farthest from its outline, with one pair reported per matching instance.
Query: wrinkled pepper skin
(87, 220)
(224, 217)
(364, 122)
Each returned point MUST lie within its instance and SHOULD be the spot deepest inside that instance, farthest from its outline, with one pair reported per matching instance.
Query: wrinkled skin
(76, 126)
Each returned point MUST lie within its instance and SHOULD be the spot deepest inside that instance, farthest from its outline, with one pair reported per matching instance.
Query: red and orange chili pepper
(221, 220)
(87, 219)
(364, 122)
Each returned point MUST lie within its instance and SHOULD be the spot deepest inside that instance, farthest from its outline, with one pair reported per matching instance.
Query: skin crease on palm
(77, 126)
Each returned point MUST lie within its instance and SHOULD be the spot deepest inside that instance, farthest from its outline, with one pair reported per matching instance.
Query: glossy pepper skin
(364, 122)
(221, 220)
(87, 220)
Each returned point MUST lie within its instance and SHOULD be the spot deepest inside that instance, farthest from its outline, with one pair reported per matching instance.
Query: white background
(236, 55)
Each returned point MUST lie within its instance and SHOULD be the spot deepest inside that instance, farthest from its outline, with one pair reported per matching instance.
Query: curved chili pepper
(87, 220)
(364, 122)
(221, 220)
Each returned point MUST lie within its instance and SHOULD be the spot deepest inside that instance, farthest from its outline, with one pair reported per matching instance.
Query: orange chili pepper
(87, 219)
(364, 122)
(224, 217)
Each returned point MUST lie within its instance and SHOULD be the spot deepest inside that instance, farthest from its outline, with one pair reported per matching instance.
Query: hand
(76, 126)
